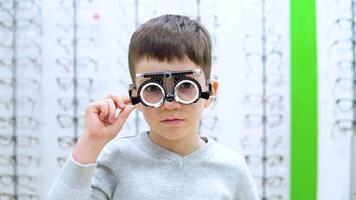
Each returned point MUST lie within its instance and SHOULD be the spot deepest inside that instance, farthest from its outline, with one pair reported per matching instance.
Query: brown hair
(171, 37)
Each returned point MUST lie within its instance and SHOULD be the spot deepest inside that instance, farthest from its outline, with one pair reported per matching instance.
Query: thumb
(122, 116)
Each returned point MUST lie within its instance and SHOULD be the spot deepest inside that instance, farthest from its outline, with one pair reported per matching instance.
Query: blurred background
(287, 87)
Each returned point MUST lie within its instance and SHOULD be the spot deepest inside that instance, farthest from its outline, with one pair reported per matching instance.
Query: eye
(187, 85)
(153, 88)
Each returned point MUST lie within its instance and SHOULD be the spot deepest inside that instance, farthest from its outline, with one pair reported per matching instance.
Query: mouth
(172, 121)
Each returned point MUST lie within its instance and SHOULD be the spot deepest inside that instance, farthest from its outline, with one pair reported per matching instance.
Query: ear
(214, 90)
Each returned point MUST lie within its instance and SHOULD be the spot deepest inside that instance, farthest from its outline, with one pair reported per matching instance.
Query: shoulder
(228, 158)
(233, 165)
(119, 148)
(226, 153)
(122, 142)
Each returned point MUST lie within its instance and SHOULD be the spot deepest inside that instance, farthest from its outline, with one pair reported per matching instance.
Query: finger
(112, 110)
(119, 101)
(104, 110)
(123, 115)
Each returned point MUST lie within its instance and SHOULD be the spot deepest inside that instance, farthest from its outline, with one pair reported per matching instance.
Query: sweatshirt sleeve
(85, 182)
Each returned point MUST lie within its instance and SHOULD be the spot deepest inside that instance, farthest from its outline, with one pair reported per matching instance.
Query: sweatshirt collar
(161, 152)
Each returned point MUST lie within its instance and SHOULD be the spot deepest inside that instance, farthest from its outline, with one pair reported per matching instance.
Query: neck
(183, 146)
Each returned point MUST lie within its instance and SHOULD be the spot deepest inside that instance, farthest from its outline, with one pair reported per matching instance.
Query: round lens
(152, 94)
(186, 92)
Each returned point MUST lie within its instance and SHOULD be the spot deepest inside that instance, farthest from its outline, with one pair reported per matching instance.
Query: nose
(171, 105)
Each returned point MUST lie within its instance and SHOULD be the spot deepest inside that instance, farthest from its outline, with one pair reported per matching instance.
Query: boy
(170, 64)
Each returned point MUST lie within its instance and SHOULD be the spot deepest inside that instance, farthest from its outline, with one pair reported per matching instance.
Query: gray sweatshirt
(135, 168)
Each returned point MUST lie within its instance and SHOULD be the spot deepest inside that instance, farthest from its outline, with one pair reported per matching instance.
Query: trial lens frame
(177, 75)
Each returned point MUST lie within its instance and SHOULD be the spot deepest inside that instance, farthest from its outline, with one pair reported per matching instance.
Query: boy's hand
(102, 124)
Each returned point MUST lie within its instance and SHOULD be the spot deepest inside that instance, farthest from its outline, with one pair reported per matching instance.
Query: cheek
(150, 114)
(196, 109)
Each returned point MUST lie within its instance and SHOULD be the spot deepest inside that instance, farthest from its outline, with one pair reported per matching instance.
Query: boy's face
(172, 120)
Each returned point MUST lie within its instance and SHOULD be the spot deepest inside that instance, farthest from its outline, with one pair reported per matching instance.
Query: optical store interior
(286, 100)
